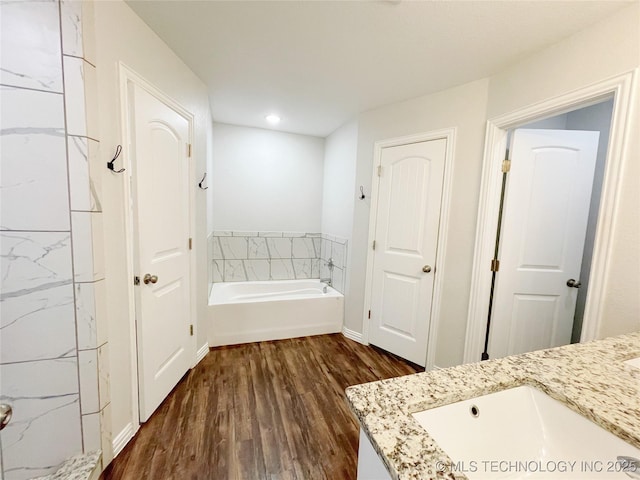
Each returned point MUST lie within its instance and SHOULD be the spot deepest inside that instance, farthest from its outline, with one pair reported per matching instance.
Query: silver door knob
(572, 283)
(5, 415)
(426, 268)
(148, 278)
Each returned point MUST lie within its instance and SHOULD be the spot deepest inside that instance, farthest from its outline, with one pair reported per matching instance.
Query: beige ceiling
(318, 63)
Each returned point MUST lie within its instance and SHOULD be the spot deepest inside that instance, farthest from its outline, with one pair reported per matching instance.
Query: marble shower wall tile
(91, 307)
(279, 247)
(106, 439)
(262, 249)
(88, 255)
(104, 383)
(88, 369)
(257, 269)
(81, 98)
(84, 174)
(30, 45)
(282, 269)
(91, 432)
(44, 395)
(34, 165)
(34, 261)
(37, 325)
(78, 37)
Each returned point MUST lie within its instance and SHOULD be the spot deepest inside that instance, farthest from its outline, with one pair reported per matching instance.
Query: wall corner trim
(352, 335)
(120, 441)
(202, 352)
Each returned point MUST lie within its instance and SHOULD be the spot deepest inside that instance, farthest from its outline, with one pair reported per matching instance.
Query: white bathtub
(242, 312)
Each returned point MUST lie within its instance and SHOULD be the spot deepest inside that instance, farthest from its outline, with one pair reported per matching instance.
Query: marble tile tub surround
(248, 256)
(53, 342)
(590, 378)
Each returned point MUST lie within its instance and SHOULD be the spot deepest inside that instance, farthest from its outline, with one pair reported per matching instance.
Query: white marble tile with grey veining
(279, 247)
(34, 261)
(258, 248)
(38, 325)
(315, 268)
(244, 234)
(34, 161)
(104, 377)
(337, 279)
(218, 270)
(257, 269)
(84, 174)
(325, 273)
(270, 234)
(282, 269)
(222, 233)
(293, 234)
(325, 249)
(302, 267)
(30, 45)
(216, 248)
(303, 248)
(44, 396)
(338, 254)
(234, 271)
(106, 435)
(91, 432)
(88, 374)
(589, 378)
(314, 235)
(80, 97)
(234, 248)
(78, 31)
(88, 253)
(90, 307)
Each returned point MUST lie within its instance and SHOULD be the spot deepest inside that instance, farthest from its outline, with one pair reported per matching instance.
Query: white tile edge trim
(352, 335)
(120, 441)
(202, 352)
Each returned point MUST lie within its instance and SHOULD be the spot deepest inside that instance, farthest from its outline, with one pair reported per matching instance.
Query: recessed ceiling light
(273, 119)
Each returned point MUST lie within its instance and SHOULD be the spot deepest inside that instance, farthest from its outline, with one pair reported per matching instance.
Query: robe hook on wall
(110, 164)
(362, 197)
(202, 181)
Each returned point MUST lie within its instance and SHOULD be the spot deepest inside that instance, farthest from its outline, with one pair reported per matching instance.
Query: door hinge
(369, 313)
(191, 330)
(379, 170)
(190, 243)
(374, 245)
(136, 280)
(188, 150)
(495, 265)
(506, 166)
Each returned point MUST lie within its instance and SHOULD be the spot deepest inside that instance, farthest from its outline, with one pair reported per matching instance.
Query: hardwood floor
(268, 410)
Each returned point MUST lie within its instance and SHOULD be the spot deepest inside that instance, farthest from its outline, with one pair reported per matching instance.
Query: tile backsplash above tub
(249, 256)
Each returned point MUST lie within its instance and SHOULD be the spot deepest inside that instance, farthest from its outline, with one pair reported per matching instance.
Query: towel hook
(362, 197)
(110, 164)
(202, 181)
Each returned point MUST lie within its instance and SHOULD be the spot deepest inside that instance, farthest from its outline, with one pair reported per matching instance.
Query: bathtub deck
(269, 410)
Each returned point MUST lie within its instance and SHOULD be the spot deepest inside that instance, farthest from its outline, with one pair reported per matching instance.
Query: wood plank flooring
(260, 411)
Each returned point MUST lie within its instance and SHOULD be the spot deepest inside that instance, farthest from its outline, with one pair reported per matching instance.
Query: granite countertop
(589, 378)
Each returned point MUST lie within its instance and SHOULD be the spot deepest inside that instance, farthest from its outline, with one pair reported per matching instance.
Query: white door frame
(450, 135)
(621, 87)
(127, 77)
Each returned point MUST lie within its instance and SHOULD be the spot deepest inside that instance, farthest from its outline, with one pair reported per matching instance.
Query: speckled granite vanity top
(590, 378)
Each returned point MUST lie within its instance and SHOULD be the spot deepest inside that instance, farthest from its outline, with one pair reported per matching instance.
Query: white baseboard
(120, 441)
(202, 352)
(352, 335)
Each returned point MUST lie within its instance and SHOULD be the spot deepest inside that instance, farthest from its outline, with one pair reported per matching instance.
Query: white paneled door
(544, 226)
(406, 236)
(160, 148)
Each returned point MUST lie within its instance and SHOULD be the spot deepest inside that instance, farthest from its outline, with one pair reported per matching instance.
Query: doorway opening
(547, 220)
(589, 310)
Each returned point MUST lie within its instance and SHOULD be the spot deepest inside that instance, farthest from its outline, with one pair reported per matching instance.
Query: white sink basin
(634, 362)
(523, 433)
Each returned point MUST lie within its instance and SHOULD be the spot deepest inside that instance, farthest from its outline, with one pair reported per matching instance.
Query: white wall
(264, 180)
(464, 108)
(339, 188)
(123, 36)
(606, 49)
